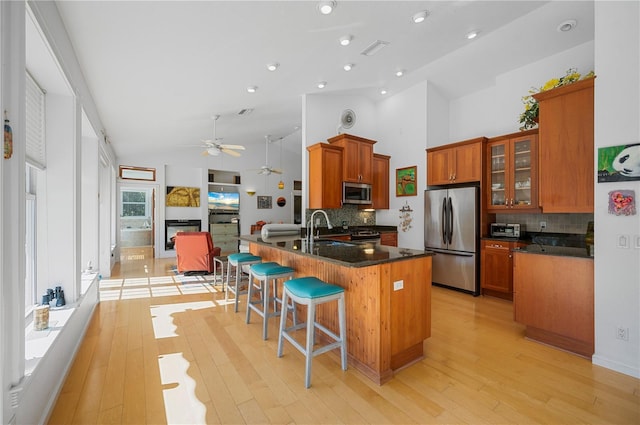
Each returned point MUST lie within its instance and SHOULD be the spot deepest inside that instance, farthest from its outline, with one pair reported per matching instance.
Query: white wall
(403, 135)
(496, 110)
(617, 122)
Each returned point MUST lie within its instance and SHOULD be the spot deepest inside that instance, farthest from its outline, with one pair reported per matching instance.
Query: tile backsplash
(556, 223)
(349, 213)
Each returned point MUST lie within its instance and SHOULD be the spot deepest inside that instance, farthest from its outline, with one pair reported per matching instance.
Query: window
(134, 203)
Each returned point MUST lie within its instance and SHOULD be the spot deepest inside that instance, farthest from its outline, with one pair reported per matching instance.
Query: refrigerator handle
(443, 222)
(450, 226)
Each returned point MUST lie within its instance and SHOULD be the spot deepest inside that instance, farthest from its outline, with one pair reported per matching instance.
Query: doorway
(137, 223)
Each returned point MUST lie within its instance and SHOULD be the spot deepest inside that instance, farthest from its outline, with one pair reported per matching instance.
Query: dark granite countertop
(561, 244)
(344, 253)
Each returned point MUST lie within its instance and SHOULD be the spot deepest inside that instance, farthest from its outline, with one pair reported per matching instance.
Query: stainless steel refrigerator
(451, 230)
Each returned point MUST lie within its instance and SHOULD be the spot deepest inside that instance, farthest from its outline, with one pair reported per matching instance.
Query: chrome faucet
(310, 233)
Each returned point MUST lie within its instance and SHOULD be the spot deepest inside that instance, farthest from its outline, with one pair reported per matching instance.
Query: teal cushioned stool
(238, 260)
(311, 291)
(264, 273)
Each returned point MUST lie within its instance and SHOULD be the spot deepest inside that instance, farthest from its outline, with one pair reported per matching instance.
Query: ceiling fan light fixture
(273, 66)
(326, 7)
(420, 17)
(252, 89)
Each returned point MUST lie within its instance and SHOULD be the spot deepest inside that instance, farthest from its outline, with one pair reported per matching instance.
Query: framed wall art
(264, 202)
(619, 163)
(406, 181)
(180, 196)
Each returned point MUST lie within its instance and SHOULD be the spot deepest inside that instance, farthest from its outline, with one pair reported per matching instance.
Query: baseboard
(616, 366)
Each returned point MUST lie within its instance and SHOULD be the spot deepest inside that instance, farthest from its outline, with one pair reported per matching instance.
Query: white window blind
(35, 147)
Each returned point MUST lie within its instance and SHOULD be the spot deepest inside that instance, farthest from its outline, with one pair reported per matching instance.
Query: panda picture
(619, 163)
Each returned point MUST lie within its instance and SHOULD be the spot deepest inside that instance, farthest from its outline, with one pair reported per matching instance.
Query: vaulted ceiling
(159, 70)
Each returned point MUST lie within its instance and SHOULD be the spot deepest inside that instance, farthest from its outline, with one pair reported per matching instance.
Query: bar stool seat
(238, 260)
(311, 291)
(263, 273)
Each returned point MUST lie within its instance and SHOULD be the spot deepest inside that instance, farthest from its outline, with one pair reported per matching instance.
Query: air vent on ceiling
(374, 48)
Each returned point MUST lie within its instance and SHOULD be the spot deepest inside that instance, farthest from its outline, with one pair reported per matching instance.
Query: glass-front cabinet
(512, 173)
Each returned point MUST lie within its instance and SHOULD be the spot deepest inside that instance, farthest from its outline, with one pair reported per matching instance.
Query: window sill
(38, 342)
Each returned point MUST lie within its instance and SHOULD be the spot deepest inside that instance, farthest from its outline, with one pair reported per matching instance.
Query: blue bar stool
(263, 273)
(238, 260)
(311, 291)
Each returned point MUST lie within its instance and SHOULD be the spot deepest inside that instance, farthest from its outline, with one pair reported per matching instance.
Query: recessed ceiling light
(383, 91)
(567, 25)
(348, 67)
(252, 89)
(322, 84)
(273, 66)
(472, 34)
(326, 7)
(420, 16)
(345, 40)
(399, 73)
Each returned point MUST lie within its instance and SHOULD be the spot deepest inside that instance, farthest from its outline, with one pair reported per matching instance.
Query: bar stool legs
(311, 291)
(238, 260)
(265, 273)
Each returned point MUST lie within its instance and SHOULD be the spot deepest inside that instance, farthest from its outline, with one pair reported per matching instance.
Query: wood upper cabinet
(566, 148)
(497, 267)
(357, 163)
(512, 176)
(380, 190)
(455, 163)
(325, 176)
(553, 297)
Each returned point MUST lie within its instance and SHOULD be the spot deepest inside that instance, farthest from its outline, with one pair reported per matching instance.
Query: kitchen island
(387, 296)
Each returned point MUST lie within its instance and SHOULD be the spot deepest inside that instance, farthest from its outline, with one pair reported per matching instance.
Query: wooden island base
(385, 327)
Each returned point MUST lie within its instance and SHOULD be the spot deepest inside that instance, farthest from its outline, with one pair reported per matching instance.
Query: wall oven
(356, 193)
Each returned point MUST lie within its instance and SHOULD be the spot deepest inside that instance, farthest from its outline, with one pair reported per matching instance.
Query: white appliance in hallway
(451, 230)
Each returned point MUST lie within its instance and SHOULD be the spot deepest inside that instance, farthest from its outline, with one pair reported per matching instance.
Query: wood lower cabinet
(566, 148)
(357, 163)
(389, 238)
(325, 176)
(455, 163)
(497, 267)
(553, 297)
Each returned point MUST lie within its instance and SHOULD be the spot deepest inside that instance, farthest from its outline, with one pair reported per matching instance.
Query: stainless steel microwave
(356, 193)
(506, 230)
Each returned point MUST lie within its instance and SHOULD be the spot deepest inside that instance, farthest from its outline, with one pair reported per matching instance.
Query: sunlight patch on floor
(162, 316)
(181, 403)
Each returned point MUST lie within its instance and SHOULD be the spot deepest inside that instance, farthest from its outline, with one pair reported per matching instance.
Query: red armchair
(195, 252)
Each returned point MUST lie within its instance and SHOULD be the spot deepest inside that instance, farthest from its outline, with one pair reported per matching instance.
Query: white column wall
(617, 122)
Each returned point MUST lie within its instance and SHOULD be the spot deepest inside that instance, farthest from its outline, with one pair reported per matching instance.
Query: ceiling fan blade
(237, 147)
(229, 151)
(205, 153)
(276, 171)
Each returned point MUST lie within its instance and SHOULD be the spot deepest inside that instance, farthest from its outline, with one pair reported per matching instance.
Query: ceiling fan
(266, 169)
(214, 147)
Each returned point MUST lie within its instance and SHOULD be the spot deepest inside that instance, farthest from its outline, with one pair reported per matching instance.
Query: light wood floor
(162, 351)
